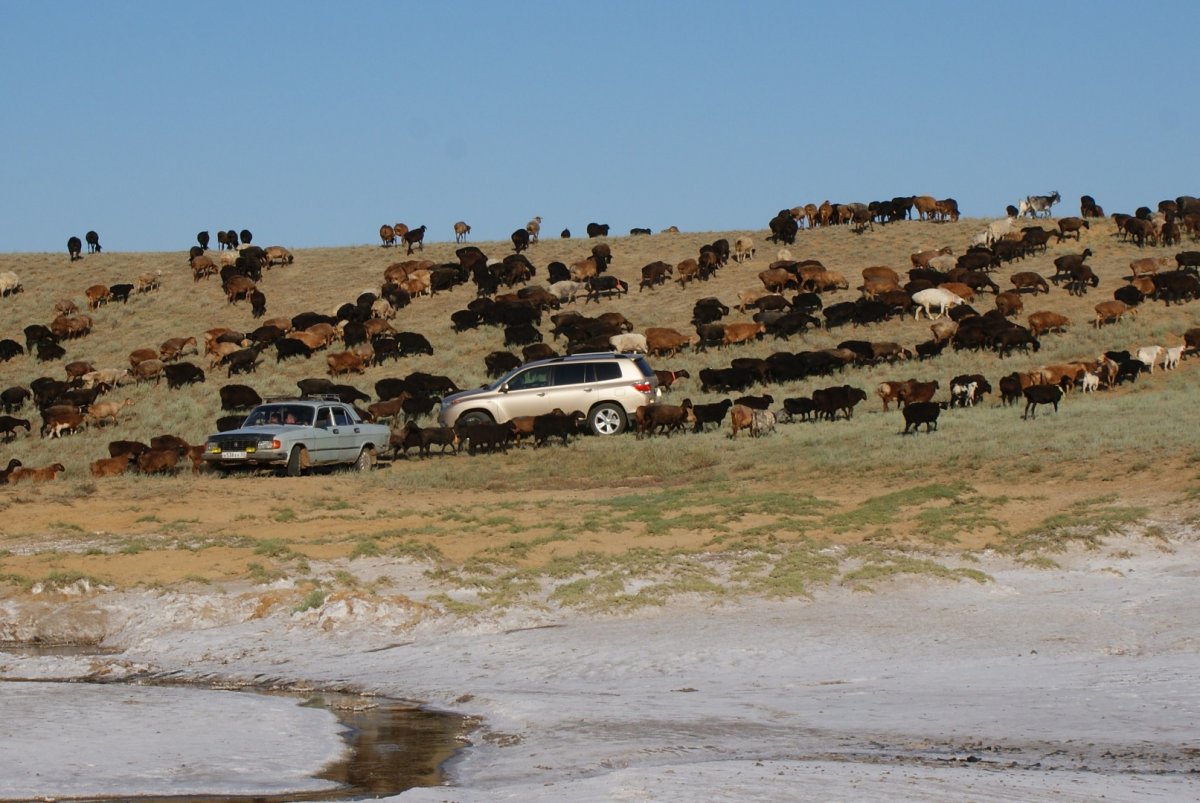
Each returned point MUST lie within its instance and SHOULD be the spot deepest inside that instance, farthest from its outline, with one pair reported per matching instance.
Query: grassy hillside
(990, 473)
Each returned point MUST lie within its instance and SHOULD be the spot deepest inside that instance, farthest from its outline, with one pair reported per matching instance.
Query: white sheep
(935, 297)
(1172, 356)
(566, 290)
(629, 341)
(9, 283)
(1090, 382)
(743, 249)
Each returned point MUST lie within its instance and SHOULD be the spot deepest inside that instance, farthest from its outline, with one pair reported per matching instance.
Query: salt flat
(1067, 683)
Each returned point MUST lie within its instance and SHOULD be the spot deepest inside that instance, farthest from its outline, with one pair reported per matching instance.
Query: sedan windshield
(281, 414)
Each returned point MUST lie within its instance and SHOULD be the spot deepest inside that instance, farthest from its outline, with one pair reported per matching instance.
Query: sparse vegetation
(780, 515)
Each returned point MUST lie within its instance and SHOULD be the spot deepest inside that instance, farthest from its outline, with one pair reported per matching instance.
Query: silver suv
(606, 387)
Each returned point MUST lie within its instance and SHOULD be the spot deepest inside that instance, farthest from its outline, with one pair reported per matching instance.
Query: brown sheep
(174, 348)
(219, 352)
(686, 271)
(65, 306)
(1042, 322)
(944, 330)
(110, 466)
(1113, 311)
(202, 266)
(1147, 266)
(533, 228)
(1028, 279)
(146, 370)
(345, 362)
(47, 474)
(963, 291)
(148, 282)
(921, 258)
(826, 280)
(67, 327)
(239, 288)
(1009, 303)
(388, 235)
(664, 342)
(664, 418)
(584, 269)
(60, 420)
(78, 369)
(141, 355)
(159, 461)
(100, 411)
(777, 279)
(461, 230)
(742, 332)
(399, 271)
(97, 295)
(278, 255)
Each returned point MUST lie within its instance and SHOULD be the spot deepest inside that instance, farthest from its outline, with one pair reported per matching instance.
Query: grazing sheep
(93, 241)
(47, 474)
(743, 249)
(75, 248)
(534, 228)
(10, 283)
(415, 237)
(461, 230)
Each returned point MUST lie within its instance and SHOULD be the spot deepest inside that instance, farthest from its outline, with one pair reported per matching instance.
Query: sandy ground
(1070, 684)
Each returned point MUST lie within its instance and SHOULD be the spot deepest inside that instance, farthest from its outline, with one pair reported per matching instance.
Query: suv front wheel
(607, 419)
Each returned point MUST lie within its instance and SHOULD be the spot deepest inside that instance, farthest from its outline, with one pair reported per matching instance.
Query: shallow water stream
(87, 741)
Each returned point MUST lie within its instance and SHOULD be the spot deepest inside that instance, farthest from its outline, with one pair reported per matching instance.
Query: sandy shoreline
(1068, 683)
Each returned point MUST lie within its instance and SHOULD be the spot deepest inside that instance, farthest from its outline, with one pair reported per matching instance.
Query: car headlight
(273, 444)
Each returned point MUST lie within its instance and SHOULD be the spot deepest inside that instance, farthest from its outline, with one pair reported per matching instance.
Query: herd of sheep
(793, 297)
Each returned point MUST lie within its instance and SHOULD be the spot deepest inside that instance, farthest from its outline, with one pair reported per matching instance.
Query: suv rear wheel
(474, 417)
(607, 419)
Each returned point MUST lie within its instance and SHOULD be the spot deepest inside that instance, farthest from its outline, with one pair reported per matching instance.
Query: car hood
(262, 431)
(463, 395)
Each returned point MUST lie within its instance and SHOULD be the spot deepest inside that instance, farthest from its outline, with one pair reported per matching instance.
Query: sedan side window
(323, 417)
(340, 417)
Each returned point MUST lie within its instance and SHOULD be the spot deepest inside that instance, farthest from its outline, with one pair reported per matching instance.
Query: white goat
(1149, 355)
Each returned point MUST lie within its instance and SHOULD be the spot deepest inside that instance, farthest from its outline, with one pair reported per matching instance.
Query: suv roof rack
(583, 355)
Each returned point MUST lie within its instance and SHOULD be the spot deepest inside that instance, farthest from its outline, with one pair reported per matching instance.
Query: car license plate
(233, 455)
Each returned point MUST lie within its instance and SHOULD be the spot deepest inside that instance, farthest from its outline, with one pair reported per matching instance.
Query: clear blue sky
(312, 124)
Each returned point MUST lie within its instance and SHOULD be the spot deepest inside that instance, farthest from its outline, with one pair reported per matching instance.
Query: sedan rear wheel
(366, 459)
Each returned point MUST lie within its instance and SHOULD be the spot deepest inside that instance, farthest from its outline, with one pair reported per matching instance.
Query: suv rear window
(644, 367)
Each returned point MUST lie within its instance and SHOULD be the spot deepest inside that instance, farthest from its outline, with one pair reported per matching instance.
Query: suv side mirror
(503, 388)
